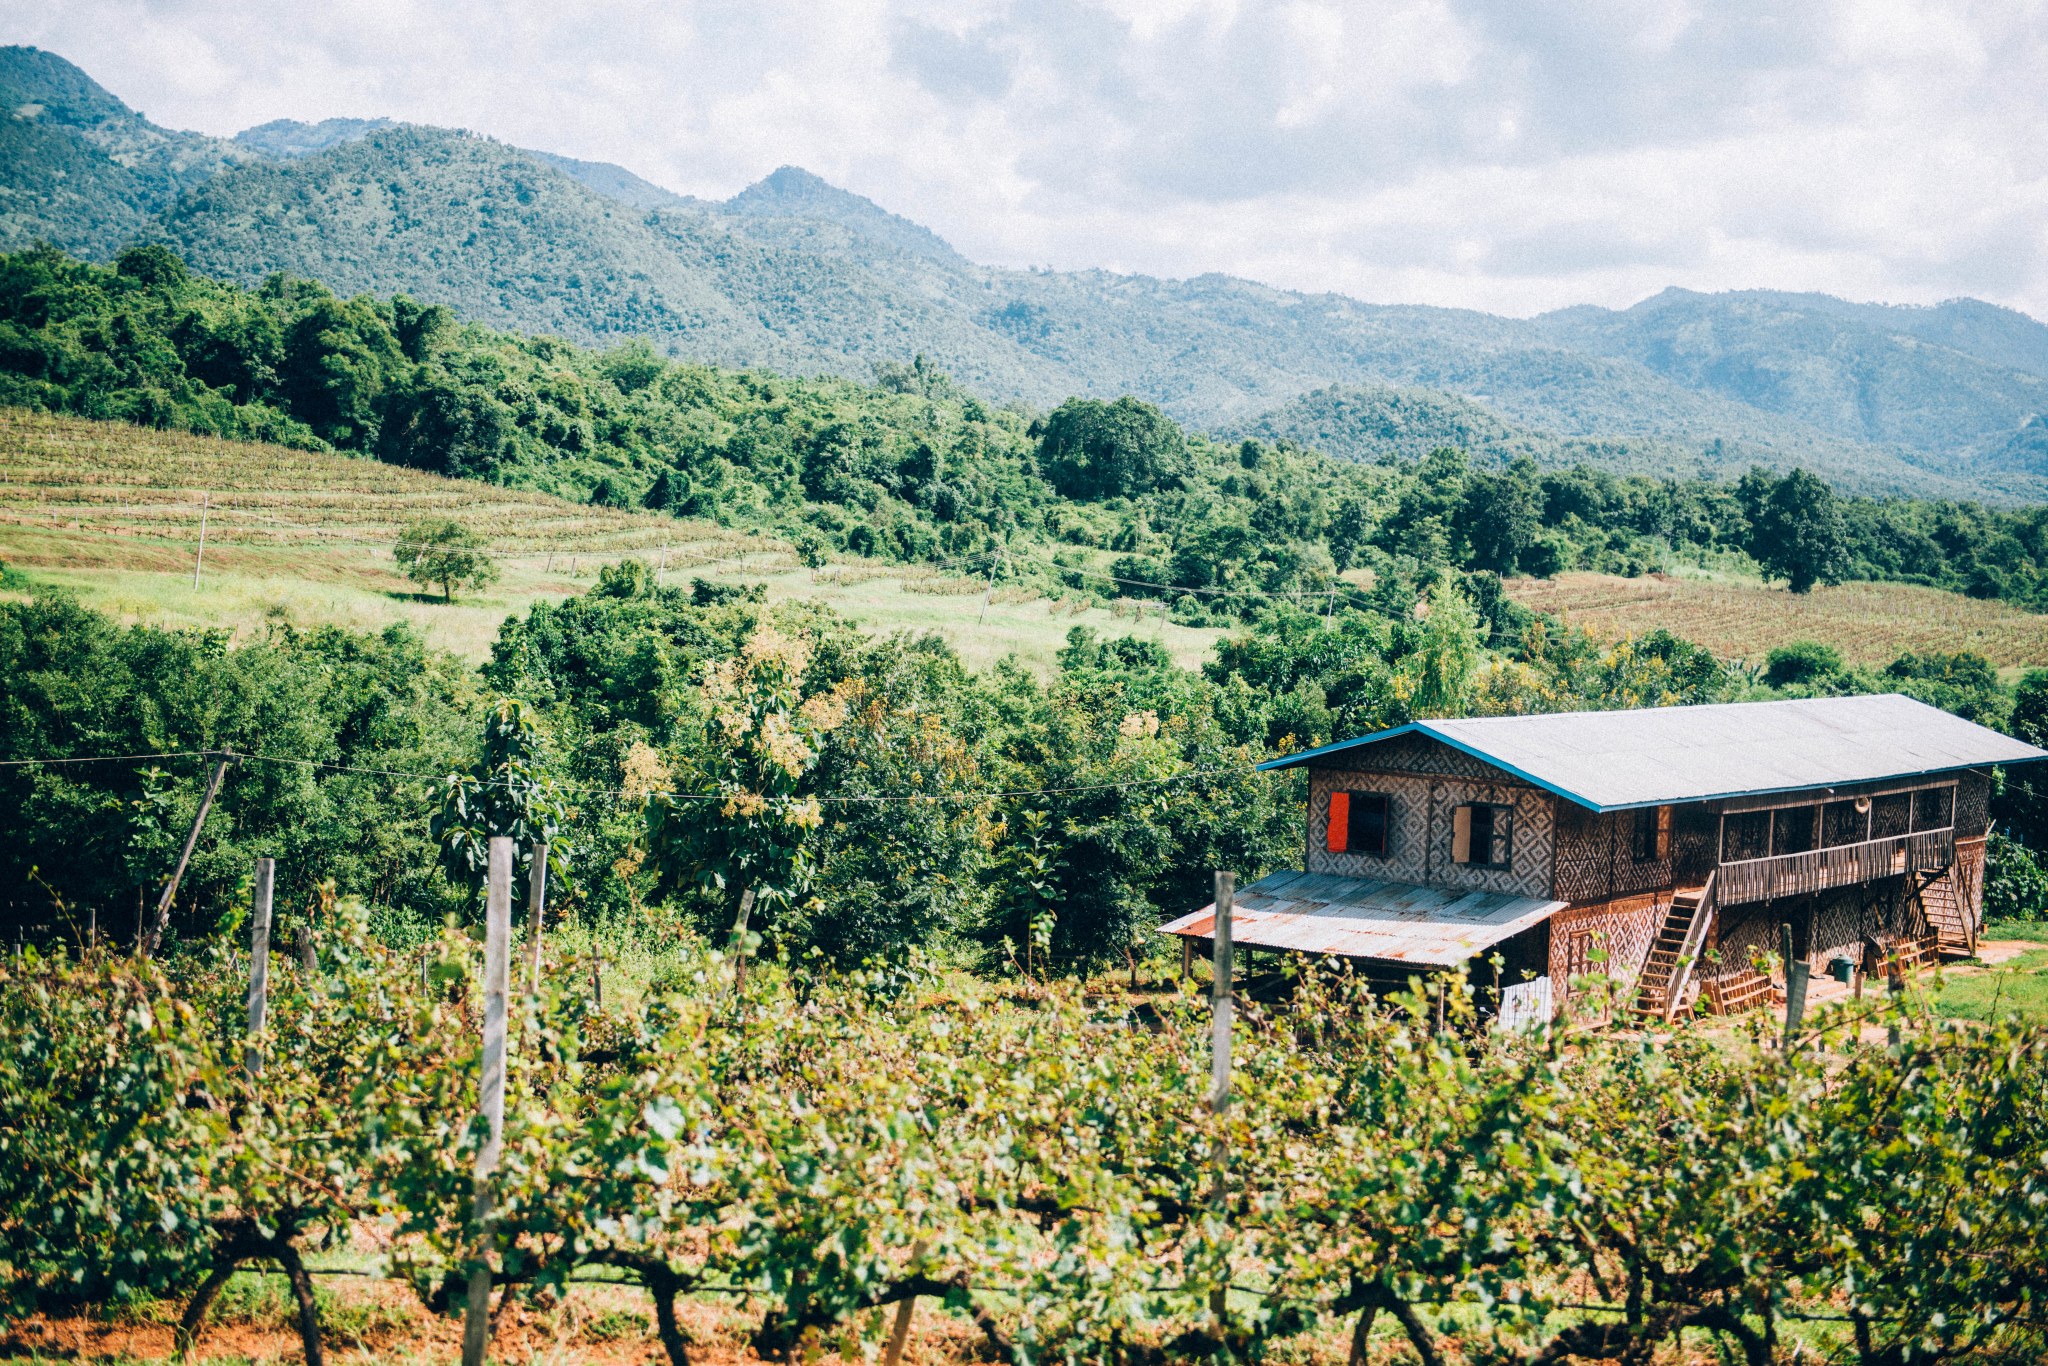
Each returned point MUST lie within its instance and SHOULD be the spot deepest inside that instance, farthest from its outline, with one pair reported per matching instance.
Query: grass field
(114, 513)
(1870, 623)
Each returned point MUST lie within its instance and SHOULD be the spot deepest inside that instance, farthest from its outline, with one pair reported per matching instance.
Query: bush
(1803, 661)
(2015, 885)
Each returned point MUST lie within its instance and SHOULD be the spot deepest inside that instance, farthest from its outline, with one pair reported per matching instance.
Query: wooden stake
(259, 964)
(204, 500)
(900, 1334)
(476, 1324)
(739, 941)
(163, 906)
(1220, 1001)
(536, 913)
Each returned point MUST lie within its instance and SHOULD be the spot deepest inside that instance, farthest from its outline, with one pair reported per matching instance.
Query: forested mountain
(802, 277)
(1847, 370)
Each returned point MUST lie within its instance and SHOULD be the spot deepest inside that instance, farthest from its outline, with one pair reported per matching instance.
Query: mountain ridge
(796, 274)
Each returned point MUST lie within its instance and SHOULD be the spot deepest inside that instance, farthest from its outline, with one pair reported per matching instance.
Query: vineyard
(1870, 623)
(1048, 1173)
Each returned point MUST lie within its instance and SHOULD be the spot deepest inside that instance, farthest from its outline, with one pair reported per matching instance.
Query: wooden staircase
(1661, 971)
(1948, 916)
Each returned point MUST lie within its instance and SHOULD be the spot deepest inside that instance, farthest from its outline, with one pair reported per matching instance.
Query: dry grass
(1870, 623)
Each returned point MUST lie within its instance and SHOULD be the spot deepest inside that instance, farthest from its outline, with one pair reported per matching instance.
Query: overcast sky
(1508, 155)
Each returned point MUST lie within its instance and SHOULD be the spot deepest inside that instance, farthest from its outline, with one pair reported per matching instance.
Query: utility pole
(259, 964)
(989, 592)
(155, 935)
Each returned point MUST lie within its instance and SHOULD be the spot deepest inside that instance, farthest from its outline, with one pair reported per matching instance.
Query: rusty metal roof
(1361, 917)
(1655, 756)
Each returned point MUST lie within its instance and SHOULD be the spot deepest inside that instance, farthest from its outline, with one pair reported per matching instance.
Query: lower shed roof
(1358, 917)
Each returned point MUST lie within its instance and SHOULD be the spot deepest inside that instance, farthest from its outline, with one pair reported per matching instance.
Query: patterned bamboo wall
(1625, 927)
(1842, 919)
(1419, 828)
(1973, 805)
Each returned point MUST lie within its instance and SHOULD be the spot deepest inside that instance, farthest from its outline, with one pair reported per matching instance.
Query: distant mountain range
(798, 275)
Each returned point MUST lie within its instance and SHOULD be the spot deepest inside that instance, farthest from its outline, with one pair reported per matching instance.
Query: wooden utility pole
(536, 911)
(205, 499)
(155, 935)
(259, 964)
(989, 591)
(476, 1324)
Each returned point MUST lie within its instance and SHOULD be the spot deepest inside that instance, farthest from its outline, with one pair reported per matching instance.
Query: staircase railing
(1689, 951)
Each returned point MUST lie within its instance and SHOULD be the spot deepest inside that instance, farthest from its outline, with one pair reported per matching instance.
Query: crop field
(114, 513)
(1870, 623)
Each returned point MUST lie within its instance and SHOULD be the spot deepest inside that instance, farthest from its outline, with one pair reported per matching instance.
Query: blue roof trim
(1423, 727)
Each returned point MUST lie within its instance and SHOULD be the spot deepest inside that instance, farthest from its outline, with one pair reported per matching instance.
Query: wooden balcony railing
(1764, 879)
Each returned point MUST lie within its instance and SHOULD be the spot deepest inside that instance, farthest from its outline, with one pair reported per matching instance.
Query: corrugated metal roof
(1366, 918)
(1612, 760)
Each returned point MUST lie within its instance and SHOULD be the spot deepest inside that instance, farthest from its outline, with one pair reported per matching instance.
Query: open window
(1483, 835)
(1358, 823)
(1653, 834)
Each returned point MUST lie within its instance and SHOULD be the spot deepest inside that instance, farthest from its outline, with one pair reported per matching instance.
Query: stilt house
(1676, 839)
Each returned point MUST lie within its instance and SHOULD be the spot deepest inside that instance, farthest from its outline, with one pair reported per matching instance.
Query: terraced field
(115, 513)
(1870, 623)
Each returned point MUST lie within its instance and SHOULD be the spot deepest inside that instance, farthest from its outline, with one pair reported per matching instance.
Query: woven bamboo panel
(1419, 833)
(1973, 805)
(1624, 927)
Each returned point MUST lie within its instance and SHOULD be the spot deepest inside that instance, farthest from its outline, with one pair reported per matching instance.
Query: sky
(1507, 155)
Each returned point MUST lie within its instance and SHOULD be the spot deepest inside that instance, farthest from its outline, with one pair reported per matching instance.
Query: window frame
(1495, 811)
(1350, 800)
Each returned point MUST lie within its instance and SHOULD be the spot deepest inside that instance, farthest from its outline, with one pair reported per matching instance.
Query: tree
(1504, 514)
(747, 821)
(447, 553)
(1443, 667)
(504, 793)
(1123, 449)
(1799, 534)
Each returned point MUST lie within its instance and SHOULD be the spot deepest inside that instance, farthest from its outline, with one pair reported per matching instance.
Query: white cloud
(1511, 155)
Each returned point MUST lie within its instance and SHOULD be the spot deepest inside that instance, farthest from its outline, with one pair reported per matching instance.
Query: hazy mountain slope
(81, 169)
(1817, 365)
(2002, 336)
(505, 239)
(792, 192)
(1372, 423)
(616, 182)
(288, 138)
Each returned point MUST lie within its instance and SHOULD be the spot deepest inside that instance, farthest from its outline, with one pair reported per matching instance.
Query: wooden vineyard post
(1795, 986)
(476, 1324)
(259, 964)
(155, 935)
(205, 500)
(1221, 1004)
(739, 941)
(536, 910)
(900, 1334)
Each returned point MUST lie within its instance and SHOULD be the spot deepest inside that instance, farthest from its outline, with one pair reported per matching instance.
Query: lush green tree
(1802, 661)
(506, 792)
(1092, 449)
(1440, 673)
(438, 550)
(1504, 515)
(1799, 534)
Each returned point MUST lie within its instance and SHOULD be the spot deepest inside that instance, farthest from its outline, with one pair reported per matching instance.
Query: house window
(1934, 808)
(1792, 829)
(1482, 835)
(1653, 834)
(1358, 823)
